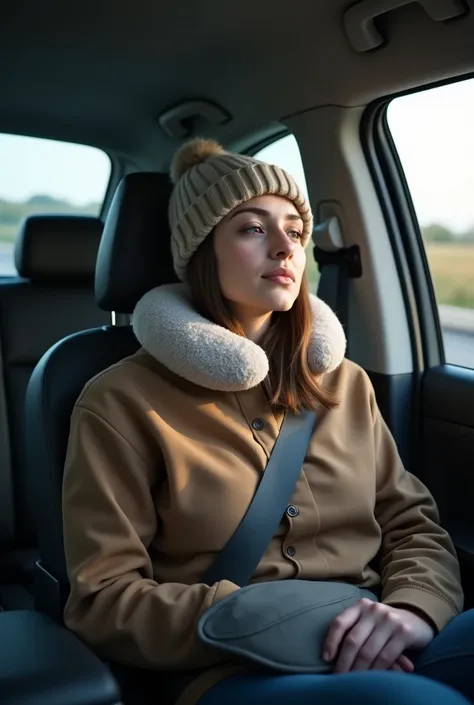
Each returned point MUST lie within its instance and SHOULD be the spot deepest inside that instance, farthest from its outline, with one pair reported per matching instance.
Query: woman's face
(259, 255)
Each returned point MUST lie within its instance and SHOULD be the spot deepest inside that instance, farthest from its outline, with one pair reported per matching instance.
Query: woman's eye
(295, 233)
(254, 229)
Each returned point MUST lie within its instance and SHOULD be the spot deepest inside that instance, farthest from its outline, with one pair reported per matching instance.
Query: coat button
(291, 551)
(258, 424)
(292, 511)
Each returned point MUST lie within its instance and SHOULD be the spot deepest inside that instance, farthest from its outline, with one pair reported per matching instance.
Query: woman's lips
(280, 279)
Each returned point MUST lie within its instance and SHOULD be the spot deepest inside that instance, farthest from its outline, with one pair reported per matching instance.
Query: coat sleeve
(109, 519)
(418, 563)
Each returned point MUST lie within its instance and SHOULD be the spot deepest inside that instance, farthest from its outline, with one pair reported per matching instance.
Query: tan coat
(159, 473)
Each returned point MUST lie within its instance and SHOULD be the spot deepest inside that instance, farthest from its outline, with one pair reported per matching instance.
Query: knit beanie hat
(209, 183)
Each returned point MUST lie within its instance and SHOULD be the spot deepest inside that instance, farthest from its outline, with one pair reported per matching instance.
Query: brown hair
(290, 384)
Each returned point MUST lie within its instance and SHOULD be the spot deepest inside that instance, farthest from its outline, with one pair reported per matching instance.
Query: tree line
(440, 233)
(13, 212)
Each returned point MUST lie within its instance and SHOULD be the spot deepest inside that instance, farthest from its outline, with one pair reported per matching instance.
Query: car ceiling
(102, 72)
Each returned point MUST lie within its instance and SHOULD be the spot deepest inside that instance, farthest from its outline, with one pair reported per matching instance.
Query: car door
(425, 142)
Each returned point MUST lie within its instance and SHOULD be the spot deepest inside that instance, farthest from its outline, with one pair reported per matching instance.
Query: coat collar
(168, 328)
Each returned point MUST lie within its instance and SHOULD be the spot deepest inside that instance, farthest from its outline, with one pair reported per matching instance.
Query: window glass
(45, 176)
(433, 134)
(285, 153)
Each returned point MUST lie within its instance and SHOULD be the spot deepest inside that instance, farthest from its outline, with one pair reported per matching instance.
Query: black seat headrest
(58, 249)
(135, 253)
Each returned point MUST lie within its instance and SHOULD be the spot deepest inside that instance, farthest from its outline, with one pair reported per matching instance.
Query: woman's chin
(280, 301)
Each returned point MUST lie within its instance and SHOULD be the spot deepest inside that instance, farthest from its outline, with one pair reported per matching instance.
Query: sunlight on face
(260, 257)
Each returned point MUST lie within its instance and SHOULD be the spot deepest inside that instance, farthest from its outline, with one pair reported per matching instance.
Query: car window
(45, 176)
(432, 131)
(285, 153)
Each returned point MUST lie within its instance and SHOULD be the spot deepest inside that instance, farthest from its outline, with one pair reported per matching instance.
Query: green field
(452, 268)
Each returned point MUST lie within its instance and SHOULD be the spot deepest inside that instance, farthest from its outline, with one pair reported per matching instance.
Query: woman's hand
(370, 635)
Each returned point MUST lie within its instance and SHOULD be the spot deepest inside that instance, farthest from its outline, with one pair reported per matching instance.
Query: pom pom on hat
(192, 153)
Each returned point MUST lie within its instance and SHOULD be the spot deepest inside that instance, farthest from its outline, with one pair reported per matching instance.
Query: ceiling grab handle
(185, 119)
(360, 27)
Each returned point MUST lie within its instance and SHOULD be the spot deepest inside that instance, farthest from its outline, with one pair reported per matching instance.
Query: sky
(432, 131)
(31, 166)
(434, 135)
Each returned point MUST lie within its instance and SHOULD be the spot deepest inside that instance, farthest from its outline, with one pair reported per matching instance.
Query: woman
(166, 449)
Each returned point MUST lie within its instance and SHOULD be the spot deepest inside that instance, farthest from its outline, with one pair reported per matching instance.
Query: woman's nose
(282, 245)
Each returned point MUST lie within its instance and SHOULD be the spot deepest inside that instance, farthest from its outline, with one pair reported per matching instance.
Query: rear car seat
(55, 257)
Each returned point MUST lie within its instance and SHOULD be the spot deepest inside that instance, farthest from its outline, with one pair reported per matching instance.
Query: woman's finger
(376, 642)
(353, 642)
(396, 667)
(339, 627)
(405, 664)
(402, 665)
(394, 647)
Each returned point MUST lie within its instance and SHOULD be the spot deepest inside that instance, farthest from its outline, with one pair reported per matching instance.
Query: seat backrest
(134, 257)
(54, 296)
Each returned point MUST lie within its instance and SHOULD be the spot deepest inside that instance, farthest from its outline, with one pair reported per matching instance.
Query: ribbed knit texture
(206, 192)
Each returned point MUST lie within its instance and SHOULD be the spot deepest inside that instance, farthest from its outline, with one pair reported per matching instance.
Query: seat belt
(241, 555)
(337, 265)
